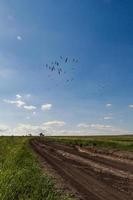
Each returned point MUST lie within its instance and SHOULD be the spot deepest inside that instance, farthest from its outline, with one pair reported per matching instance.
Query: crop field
(107, 142)
(91, 168)
(98, 168)
(20, 175)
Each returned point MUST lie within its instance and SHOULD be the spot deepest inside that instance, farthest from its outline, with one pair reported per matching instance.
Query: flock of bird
(58, 66)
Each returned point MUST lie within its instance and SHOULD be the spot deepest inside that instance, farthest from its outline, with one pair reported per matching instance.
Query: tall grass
(20, 175)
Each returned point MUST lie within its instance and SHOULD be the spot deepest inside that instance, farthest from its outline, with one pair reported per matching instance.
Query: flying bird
(57, 65)
(59, 71)
(66, 60)
(53, 68)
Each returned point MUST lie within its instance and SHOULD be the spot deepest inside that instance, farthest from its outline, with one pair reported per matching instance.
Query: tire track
(88, 186)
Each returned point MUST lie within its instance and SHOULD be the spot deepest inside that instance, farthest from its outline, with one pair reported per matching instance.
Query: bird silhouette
(53, 68)
(66, 60)
(57, 65)
(59, 71)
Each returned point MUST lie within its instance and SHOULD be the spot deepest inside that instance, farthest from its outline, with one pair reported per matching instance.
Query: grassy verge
(20, 175)
(108, 142)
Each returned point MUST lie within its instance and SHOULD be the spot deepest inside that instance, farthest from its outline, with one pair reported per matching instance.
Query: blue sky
(96, 32)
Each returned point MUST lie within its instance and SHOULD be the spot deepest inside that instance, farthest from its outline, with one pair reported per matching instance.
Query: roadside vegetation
(20, 175)
(107, 142)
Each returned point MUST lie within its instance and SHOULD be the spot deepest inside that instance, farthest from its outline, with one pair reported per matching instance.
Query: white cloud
(108, 117)
(18, 96)
(46, 128)
(46, 107)
(30, 107)
(108, 105)
(18, 103)
(101, 129)
(4, 128)
(19, 37)
(25, 129)
(94, 126)
(54, 123)
(130, 106)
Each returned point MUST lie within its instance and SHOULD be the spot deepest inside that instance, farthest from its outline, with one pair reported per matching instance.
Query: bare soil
(93, 175)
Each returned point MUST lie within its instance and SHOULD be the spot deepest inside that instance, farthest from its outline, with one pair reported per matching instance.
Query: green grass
(108, 142)
(20, 175)
(21, 178)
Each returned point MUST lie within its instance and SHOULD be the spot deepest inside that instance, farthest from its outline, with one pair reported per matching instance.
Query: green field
(107, 142)
(20, 175)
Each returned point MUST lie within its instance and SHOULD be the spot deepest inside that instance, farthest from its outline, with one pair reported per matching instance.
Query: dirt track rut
(92, 177)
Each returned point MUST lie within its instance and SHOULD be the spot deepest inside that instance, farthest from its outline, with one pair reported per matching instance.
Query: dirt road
(93, 176)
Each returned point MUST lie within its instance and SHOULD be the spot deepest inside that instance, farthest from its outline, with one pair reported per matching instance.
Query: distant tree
(41, 134)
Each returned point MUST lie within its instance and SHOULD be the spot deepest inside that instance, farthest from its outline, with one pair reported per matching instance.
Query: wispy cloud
(54, 123)
(30, 107)
(4, 128)
(24, 129)
(47, 127)
(104, 129)
(108, 118)
(94, 126)
(130, 106)
(57, 128)
(18, 96)
(108, 105)
(18, 103)
(46, 107)
(19, 37)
